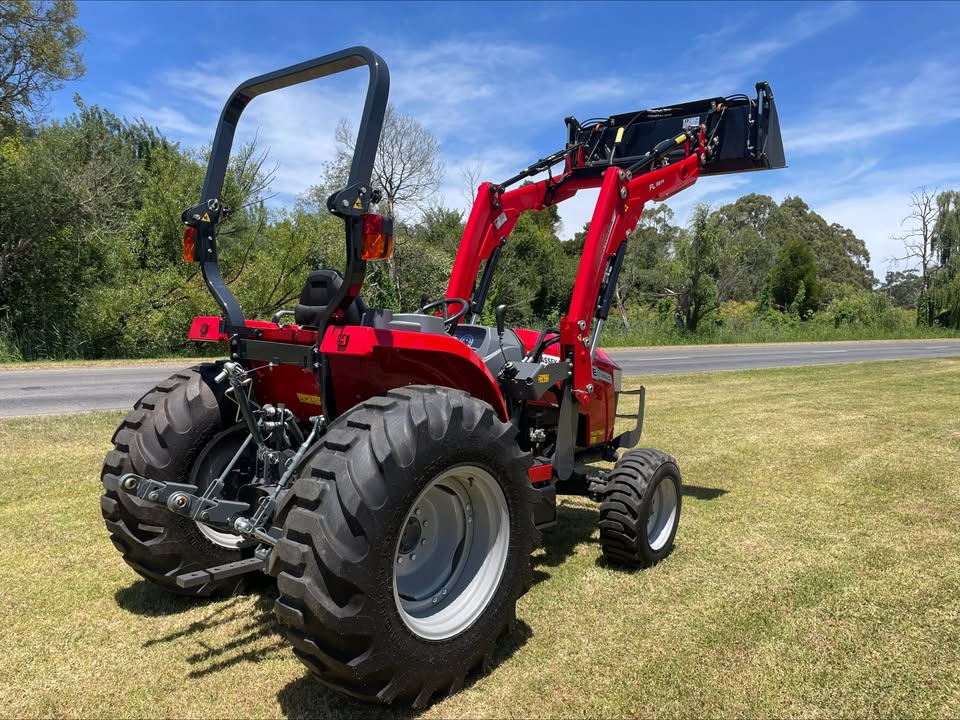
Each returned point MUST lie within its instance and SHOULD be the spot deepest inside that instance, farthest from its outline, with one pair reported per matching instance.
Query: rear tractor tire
(640, 509)
(406, 543)
(177, 432)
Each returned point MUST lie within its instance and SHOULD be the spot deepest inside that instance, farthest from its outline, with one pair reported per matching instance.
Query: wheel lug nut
(436, 600)
(423, 542)
(399, 561)
(413, 557)
(444, 592)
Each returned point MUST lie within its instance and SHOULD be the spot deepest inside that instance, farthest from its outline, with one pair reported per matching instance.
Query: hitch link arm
(253, 527)
(181, 499)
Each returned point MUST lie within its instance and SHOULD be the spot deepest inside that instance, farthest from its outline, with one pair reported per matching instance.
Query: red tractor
(391, 470)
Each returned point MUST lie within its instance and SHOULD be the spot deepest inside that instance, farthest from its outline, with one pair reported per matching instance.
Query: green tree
(38, 53)
(440, 227)
(751, 212)
(65, 193)
(946, 228)
(842, 259)
(793, 280)
(149, 294)
(535, 275)
(693, 271)
(749, 247)
(902, 287)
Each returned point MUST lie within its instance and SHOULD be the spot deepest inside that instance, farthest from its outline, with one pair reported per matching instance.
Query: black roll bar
(349, 203)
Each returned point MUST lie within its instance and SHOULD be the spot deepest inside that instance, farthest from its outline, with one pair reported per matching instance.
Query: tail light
(377, 239)
(189, 244)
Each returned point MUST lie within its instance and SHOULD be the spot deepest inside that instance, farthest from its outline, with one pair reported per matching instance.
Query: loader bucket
(748, 136)
(743, 134)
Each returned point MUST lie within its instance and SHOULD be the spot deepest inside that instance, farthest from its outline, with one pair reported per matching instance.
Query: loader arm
(633, 158)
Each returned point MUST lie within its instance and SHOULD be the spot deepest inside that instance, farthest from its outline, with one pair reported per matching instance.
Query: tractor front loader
(392, 470)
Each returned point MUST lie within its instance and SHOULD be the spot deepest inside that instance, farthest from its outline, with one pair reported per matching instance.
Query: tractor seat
(318, 292)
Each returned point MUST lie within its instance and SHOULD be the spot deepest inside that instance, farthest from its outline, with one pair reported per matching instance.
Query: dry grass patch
(176, 362)
(816, 574)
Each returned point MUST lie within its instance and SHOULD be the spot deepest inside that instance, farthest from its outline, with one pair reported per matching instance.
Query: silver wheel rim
(204, 475)
(228, 540)
(663, 514)
(451, 553)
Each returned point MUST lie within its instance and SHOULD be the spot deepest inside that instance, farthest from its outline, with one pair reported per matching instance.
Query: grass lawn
(816, 574)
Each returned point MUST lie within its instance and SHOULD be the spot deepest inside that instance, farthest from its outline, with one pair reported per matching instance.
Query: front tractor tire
(640, 509)
(175, 433)
(406, 544)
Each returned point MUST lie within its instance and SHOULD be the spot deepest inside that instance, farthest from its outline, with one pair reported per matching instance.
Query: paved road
(702, 358)
(68, 390)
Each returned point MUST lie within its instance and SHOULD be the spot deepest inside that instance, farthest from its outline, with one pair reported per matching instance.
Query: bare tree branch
(407, 169)
(918, 240)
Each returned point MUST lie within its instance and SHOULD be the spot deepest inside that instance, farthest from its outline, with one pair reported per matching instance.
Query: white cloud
(295, 125)
(576, 212)
(892, 99)
(875, 214)
(758, 44)
(874, 219)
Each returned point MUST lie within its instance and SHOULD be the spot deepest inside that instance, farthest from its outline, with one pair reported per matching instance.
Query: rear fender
(365, 362)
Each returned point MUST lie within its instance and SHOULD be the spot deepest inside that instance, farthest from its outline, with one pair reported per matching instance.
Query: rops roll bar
(350, 203)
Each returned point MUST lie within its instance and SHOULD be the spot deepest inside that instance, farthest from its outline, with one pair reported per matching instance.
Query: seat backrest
(318, 292)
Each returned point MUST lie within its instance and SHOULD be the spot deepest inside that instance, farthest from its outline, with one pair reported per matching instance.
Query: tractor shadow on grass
(242, 629)
(575, 526)
(247, 620)
(307, 698)
(145, 599)
(698, 492)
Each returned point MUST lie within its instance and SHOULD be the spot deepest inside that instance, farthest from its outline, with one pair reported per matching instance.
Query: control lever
(509, 369)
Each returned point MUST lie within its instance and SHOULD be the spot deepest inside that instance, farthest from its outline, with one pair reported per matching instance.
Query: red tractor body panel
(295, 387)
(598, 416)
(208, 328)
(365, 362)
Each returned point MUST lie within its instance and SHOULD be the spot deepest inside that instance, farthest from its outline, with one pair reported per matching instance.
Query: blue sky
(868, 94)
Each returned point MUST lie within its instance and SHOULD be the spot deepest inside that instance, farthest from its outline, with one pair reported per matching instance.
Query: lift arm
(619, 206)
(633, 158)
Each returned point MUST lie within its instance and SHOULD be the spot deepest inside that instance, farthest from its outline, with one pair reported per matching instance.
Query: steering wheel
(449, 321)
